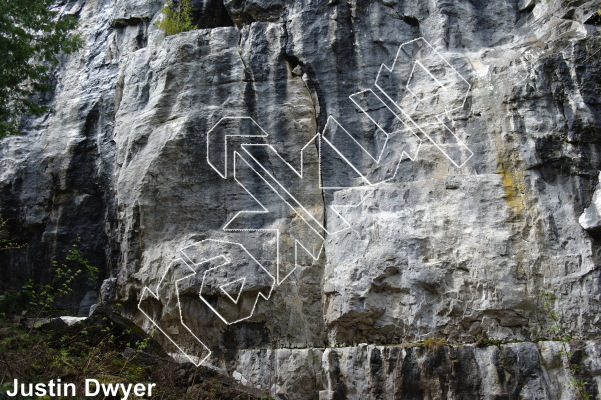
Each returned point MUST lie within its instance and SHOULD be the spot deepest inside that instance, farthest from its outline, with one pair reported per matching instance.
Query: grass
(434, 344)
(110, 349)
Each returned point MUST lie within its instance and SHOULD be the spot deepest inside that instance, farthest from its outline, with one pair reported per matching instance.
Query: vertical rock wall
(460, 254)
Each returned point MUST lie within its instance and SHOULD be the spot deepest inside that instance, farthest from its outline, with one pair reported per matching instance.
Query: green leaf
(32, 37)
(177, 17)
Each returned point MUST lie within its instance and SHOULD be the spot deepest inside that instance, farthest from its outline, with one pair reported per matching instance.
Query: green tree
(177, 17)
(32, 36)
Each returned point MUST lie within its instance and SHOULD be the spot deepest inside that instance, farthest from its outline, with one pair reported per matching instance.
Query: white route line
(146, 291)
(337, 208)
(460, 143)
(297, 243)
(278, 187)
(221, 287)
(300, 174)
(331, 119)
(225, 139)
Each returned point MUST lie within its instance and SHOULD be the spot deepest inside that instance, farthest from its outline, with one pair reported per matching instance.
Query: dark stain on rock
(338, 386)
(245, 335)
(410, 385)
(376, 374)
(465, 381)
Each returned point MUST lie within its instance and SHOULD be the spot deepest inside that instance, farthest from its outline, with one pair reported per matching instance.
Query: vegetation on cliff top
(177, 17)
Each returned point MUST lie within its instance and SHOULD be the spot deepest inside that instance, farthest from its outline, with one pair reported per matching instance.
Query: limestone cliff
(457, 141)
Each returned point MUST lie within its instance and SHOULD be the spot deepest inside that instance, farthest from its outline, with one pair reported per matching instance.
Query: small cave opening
(293, 61)
(412, 21)
(209, 14)
(594, 19)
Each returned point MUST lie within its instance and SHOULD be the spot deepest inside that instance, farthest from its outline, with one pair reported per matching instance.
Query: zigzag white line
(221, 266)
(300, 173)
(391, 69)
(190, 357)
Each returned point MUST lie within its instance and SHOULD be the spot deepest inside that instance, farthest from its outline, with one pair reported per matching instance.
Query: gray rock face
(412, 201)
(591, 217)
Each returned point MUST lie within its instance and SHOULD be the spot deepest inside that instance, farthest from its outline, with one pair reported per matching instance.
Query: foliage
(42, 299)
(32, 36)
(565, 338)
(177, 17)
(6, 242)
(106, 346)
(434, 344)
(107, 350)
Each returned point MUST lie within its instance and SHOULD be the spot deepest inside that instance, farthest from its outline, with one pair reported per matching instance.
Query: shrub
(177, 17)
(42, 300)
(6, 240)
